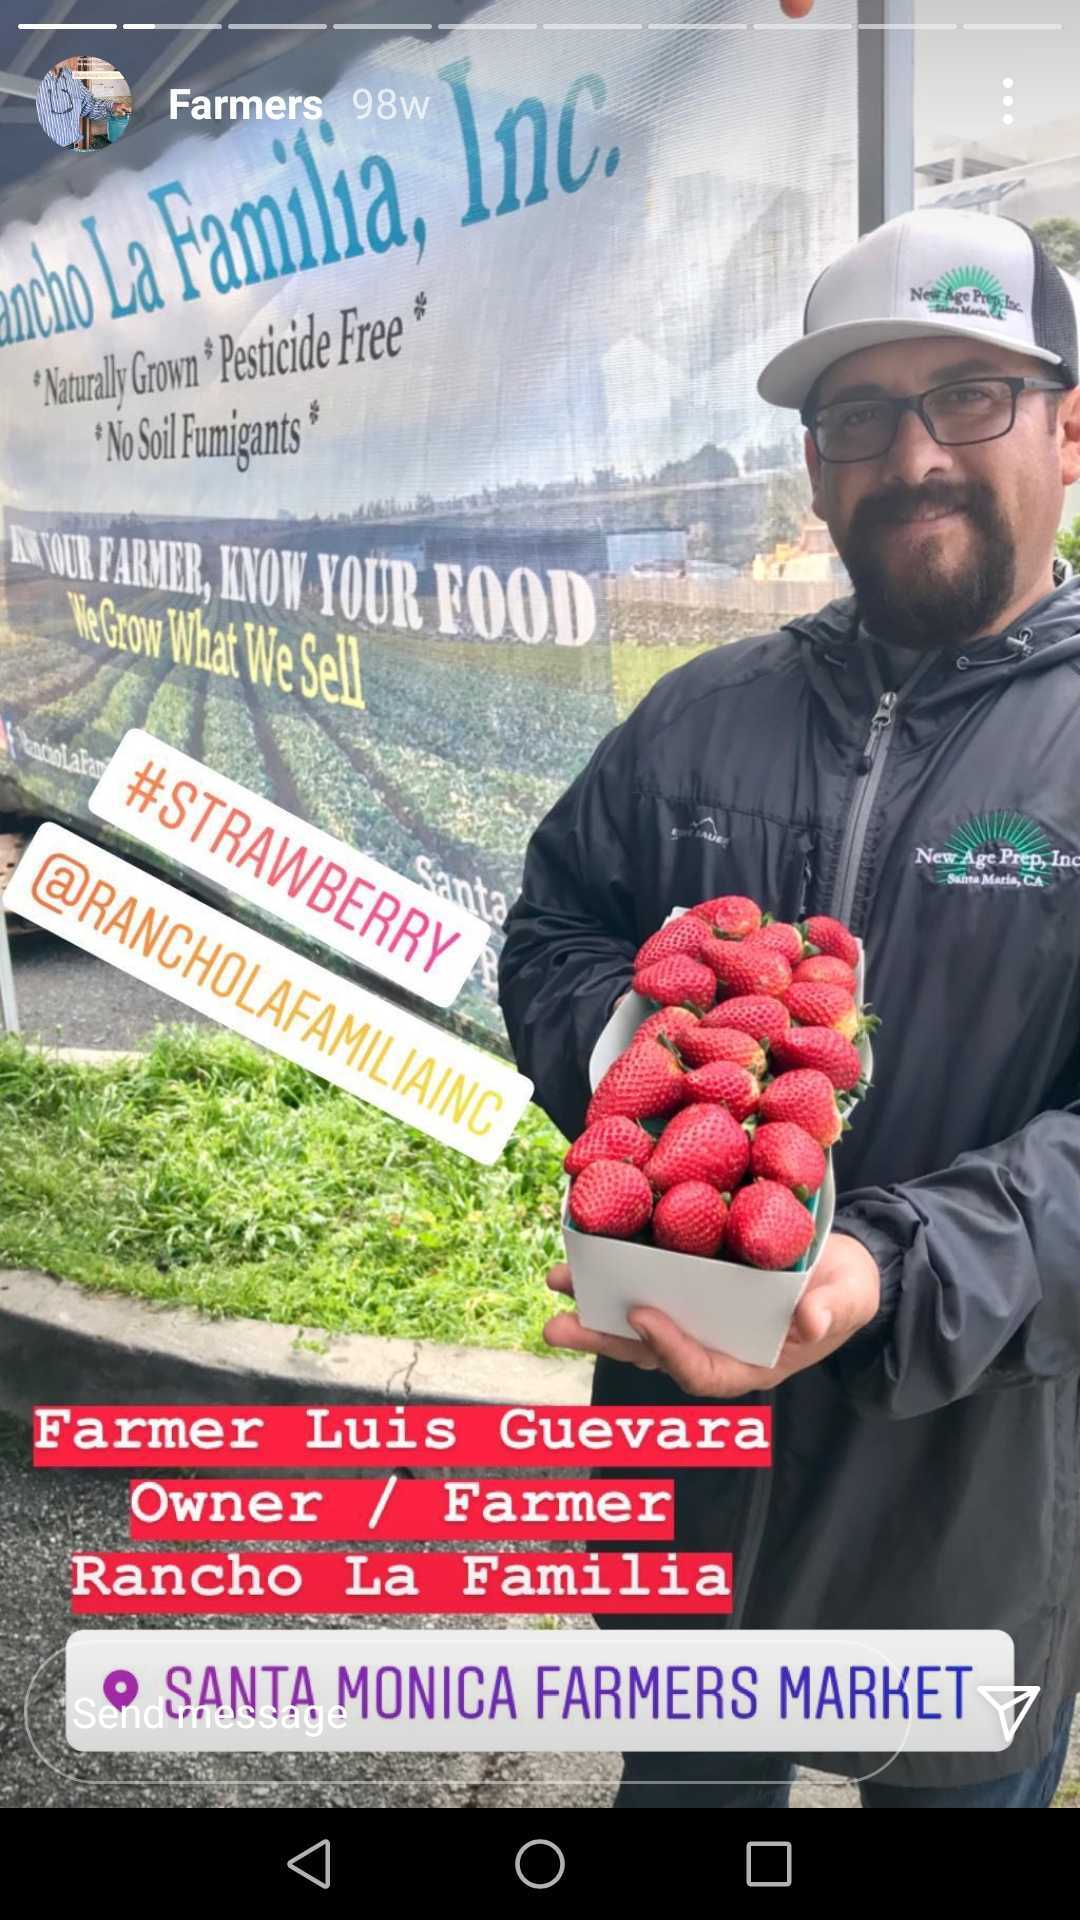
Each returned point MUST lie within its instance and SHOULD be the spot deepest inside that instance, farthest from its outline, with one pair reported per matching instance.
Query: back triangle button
(319, 1856)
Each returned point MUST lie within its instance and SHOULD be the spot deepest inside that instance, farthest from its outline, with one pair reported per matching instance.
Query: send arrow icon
(320, 1879)
(1015, 1700)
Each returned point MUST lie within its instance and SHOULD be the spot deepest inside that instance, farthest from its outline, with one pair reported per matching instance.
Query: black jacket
(928, 1474)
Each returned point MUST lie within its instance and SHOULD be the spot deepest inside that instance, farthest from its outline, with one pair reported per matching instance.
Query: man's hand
(842, 1295)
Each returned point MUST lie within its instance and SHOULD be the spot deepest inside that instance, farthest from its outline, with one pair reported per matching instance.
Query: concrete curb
(61, 1345)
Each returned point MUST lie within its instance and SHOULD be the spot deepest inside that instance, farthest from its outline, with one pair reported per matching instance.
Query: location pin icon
(120, 1687)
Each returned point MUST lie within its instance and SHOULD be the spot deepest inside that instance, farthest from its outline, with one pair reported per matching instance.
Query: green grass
(211, 1174)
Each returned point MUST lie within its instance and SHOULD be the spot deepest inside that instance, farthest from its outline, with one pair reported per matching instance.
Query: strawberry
(759, 1014)
(690, 1218)
(700, 1143)
(699, 1044)
(684, 935)
(825, 966)
(748, 967)
(807, 1099)
(831, 936)
(767, 1226)
(615, 1139)
(784, 1151)
(612, 1198)
(726, 1084)
(730, 914)
(814, 1003)
(671, 1021)
(820, 1047)
(677, 980)
(785, 938)
(644, 1081)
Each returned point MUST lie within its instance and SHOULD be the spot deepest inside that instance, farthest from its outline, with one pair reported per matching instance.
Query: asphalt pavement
(66, 998)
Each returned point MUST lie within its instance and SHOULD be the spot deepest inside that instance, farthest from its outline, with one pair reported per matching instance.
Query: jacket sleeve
(571, 935)
(980, 1274)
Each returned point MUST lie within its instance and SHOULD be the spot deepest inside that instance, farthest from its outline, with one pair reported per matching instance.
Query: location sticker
(120, 1687)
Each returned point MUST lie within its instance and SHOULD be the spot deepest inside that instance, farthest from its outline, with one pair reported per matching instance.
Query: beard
(945, 588)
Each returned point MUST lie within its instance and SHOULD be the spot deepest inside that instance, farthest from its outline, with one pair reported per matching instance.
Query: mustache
(907, 506)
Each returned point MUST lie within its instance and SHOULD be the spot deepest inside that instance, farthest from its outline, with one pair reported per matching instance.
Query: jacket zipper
(871, 767)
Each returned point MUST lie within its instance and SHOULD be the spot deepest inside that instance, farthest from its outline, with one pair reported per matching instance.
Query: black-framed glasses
(957, 415)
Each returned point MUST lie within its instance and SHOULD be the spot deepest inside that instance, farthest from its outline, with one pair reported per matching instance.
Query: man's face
(933, 582)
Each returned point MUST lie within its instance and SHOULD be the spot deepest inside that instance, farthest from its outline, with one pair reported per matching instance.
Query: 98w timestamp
(384, 103)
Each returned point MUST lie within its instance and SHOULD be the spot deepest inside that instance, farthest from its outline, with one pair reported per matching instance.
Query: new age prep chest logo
(999, 849)
(972, 292)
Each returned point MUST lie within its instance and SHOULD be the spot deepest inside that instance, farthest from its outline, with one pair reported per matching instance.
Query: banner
(382, 451)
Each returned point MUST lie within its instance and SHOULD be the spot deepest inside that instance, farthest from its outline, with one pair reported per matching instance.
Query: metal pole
(886, 110)
(9, 1013)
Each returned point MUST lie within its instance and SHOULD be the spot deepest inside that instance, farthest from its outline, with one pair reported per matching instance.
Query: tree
(787, 502)
(1060, 238)
(773, 455)
(1068, 544)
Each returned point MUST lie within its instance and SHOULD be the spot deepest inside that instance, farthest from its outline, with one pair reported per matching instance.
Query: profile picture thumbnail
(84, 103)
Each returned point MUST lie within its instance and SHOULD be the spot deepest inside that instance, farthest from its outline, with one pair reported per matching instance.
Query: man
(907, 759)
(63, 102)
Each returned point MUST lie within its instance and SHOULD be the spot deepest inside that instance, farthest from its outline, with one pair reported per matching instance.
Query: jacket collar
(1046, 632)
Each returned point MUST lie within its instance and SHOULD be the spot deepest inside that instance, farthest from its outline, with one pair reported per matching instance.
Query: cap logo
(969, 291)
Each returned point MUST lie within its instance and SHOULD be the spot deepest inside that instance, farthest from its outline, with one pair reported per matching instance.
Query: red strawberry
(690, 1218)
(684, 935)
(767, 1226)
(612, 1198)
(670, 1020)
(820, 1047)
(785, 938)
(675, 980)
(747, 967)
(726, 1084)
(700, 1044)
(814, 1003)
(807, 1099)
(614, 1139)
(645, 1080)
(700, 1143)
(786, 1152)
(759, 1014)
(731, 914)
(825, 966)
(831, 936)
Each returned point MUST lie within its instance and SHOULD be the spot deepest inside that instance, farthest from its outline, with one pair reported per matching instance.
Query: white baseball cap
(937, 270)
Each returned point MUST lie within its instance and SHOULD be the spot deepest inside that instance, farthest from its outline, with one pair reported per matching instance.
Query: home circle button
(539, 1864)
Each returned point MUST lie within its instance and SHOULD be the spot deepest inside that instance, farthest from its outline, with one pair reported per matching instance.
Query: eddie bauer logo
(967, 290)
(997, 850)
(702, 830)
